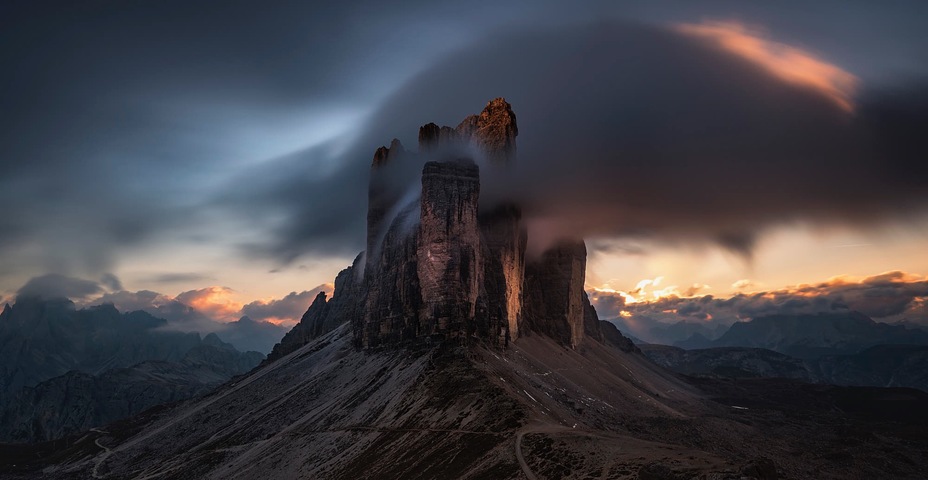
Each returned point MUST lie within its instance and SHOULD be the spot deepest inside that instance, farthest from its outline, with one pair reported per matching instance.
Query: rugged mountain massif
(440, 265)
(77, 401)
(645, 329)
(812, 336)
(64, 370)
(446, 351)
(879, 366)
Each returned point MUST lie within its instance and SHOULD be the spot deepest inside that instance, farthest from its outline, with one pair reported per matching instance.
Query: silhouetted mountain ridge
(64, 369)
(812, 336)
(878, 366)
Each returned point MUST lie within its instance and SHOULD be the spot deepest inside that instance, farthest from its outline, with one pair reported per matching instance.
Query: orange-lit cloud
(888, 297)
(287, 310)
(789, 63)
(891, 296)
(646, 291)
(219, 303)
(215, 303)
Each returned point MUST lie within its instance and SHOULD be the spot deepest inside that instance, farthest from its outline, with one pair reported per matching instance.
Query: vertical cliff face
(393, 297)
(384, 192)
(504, 240)
(554, 293)
(438, 268)
(450, 264)
(591, 326)
(442, 271)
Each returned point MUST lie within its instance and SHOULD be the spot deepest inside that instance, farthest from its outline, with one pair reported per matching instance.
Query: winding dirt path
(525, 469)
(106, 453)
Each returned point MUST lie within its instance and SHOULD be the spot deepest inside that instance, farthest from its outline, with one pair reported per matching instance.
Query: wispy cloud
(789, 63)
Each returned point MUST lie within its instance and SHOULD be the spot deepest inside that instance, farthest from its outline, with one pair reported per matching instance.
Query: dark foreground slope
(536, 410)
(328, 410)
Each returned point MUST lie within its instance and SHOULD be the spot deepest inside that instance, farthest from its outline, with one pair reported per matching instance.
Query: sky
(216, 153)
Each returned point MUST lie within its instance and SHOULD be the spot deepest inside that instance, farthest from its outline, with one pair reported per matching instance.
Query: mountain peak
(213, 340)
(496, 131)
(444, 266)
(384, 155)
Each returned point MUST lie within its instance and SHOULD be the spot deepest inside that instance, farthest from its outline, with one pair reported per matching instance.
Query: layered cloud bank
(889, 297)
(256, 325)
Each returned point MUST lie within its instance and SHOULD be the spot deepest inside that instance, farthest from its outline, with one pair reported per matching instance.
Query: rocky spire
(438, 268)
(310, 327)
(494, 131)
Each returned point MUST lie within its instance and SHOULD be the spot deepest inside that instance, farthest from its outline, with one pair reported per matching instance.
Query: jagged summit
(494, 130)
(492, 133)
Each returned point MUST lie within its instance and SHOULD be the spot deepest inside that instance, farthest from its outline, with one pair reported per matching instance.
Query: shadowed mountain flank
(64, 370)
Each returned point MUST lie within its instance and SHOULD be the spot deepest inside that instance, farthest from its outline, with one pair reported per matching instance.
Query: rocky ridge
(77, 401)
(878, 366)
(64, 370)
(810, 336)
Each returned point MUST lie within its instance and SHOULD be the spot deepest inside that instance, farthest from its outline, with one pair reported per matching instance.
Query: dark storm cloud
(121, 121)
(633, 130)
(111, 282)
(59, 286)
(180, 277)
(318, 212)
(119, 118)
(126, 301)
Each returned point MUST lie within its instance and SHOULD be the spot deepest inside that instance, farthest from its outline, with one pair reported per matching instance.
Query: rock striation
(441, 265)
(449, 263)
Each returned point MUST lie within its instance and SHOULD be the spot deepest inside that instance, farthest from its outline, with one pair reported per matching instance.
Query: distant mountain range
(801, 336)
(812, 336)
(650, 331)
(846, 348)
(63, 370)
(879, 366)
